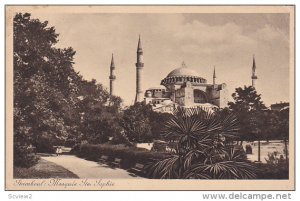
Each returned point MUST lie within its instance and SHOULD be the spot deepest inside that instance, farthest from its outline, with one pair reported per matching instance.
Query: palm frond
(224, 170)
(166, 168)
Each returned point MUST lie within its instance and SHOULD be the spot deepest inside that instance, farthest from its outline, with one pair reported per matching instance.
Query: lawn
(43, 169)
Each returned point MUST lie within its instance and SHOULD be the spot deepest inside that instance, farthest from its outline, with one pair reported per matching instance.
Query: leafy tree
(52, 102)
(100, 113)
(44, 83)
(272, 124)
(249, 109)
(200, 151)
(141, 124)
(284, 129)
(136, 123)
(157, 120)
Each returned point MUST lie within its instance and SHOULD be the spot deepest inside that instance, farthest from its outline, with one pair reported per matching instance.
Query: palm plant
(202, 150)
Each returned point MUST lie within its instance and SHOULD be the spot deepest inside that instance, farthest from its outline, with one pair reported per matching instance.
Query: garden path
(89, 169)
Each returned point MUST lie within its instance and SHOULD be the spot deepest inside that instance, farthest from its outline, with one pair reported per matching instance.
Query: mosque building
(181, 87)
(185, 87)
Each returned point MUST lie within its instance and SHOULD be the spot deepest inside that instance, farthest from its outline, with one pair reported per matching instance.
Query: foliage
(201, 152)
(24, 156)
(43, 82)
(99, 113)
(249, 109)
(129, 155)
(275, 160)
(52, 102)
(141, 123)
(283, 126)
(157, 120)
(277, 167)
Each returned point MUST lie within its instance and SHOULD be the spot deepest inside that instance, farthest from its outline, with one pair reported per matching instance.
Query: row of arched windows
(183, 79)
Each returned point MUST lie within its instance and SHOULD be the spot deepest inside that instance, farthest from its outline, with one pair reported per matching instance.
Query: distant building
(280, 106)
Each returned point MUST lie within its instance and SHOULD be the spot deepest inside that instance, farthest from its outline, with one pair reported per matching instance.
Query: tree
(284, 129)
(100, 113)
(272, 124)
(44, 82)
(248, 105)
(45, 88)
(136, 123)
(52, 102)
(157, 120)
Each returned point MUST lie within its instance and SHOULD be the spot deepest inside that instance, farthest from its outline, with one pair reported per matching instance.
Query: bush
(129, 155)
(277, 167)
(24, 156)
(268, 171)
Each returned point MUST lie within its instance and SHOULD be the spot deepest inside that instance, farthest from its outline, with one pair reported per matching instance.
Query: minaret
(214, 76)
(112, 76)
(139, 73)
(253, 77)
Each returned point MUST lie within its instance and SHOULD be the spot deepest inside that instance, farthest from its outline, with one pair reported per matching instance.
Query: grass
(42, 170)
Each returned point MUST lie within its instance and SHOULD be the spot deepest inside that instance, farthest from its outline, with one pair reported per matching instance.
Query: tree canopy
(249, 108)
(52, 102)
(256, 120)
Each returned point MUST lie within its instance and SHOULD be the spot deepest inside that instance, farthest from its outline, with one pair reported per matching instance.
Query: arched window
(200, 96)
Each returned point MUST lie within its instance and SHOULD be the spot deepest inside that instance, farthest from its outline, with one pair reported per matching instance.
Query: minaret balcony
(112, 77)
(139, 65)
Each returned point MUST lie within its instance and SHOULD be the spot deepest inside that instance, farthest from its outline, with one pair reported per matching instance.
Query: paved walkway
(89, 169)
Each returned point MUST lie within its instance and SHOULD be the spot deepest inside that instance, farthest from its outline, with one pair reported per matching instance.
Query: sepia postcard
(150, 97)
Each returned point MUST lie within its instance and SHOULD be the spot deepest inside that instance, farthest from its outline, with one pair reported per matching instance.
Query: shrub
(277, 167)
(24, 156)
(129, 155)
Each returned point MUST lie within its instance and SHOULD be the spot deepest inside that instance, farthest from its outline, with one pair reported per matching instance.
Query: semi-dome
(183, 71)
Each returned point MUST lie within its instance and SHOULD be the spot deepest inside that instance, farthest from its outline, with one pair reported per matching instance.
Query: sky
(202, 41)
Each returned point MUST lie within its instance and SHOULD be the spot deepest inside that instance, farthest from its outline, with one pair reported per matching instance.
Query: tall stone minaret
(253, 77)
(214, 76)
(139, 73)
(112, 76)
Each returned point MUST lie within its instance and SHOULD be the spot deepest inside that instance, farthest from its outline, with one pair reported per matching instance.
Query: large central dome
(181, 75)
(183, 71)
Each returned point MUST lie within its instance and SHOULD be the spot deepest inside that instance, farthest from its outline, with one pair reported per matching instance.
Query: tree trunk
(286, 150)
(259, 150)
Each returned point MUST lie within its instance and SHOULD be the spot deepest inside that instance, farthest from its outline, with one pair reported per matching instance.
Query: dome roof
(183, 71)
(182, 75)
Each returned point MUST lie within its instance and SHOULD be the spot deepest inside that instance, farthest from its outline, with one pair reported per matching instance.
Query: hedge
(129, 155)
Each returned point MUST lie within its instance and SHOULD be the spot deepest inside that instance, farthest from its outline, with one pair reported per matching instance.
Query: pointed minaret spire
(253, 77)
(139, 48)
(112, 76)
(214, 76)
(112, 64)
(139, 97)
